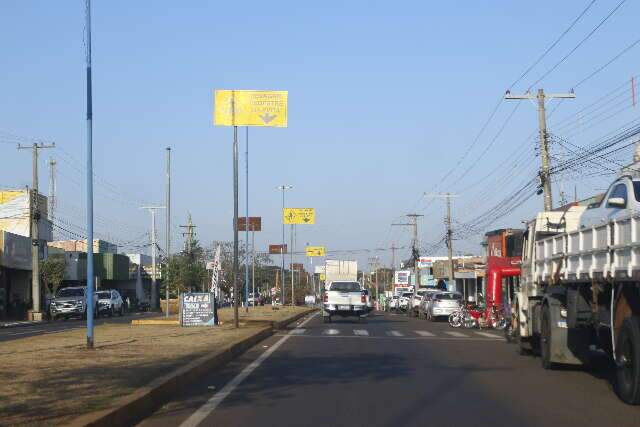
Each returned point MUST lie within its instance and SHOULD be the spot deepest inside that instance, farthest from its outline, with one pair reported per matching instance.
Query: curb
(145, 400)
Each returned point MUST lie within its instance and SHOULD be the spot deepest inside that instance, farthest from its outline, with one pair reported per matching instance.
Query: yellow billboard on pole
(250, 108)
(315, 251)
(298, 216)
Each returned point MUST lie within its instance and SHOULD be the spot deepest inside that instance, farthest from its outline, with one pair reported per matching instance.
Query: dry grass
(51, 379)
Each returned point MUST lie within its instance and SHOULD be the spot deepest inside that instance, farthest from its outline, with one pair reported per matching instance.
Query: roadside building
(16, 209)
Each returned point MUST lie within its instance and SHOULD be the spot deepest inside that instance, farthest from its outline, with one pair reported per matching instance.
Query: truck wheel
(628, 361)
(545, 339)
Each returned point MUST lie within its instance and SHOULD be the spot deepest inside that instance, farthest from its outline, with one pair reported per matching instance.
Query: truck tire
(628, 361)
(545, 339)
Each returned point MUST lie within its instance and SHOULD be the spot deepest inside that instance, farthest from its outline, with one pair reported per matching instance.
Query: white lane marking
(298, 331)
(425, 333)
(488, 335)
(205, 410)
(361, 332)
(457, 334)
(330, 332)
(395, 334)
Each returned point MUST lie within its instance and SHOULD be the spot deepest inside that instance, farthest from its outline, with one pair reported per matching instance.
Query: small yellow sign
(315, 251)
(298, 216)
(250, 108)
(323, 276)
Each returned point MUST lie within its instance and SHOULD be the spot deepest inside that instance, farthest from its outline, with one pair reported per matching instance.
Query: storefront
(15, 275)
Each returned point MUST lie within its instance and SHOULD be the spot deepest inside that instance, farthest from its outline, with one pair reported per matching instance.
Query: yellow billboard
(298, 216)
(315, 251)
(250, 108)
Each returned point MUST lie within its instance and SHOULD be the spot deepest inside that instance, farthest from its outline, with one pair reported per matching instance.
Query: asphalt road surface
(12, 333)
(394, 371)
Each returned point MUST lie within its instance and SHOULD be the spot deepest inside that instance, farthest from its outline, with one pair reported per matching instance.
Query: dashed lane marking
(395, 334)
(298, 331)
(457, 334)
(425, 333)
(488, 335)
(330, 332)
(361, 332)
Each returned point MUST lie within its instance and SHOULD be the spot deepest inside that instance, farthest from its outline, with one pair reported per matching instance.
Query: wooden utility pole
(545, 176)
(449, 239)
(35, 214)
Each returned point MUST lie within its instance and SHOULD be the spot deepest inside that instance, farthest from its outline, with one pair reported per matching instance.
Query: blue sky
(384, 99)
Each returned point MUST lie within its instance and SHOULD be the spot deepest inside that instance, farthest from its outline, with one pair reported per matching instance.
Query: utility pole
(414, 243)
(246, 228)
(34, 209)
(545, 176)
(154, 290)
(293, 299)
(414, 249)
(190, 234)
(283, 188)
(168, 229)
(448, 222)
(236, 321)
(374, 262)
(52, 188)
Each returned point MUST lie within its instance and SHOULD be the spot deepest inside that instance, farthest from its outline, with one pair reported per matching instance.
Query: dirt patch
(51, 379)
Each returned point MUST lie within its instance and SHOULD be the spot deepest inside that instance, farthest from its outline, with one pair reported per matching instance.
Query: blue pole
(246, 229)
(89, 291)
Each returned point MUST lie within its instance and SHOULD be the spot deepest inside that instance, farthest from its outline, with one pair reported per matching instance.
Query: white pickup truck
(344, 298)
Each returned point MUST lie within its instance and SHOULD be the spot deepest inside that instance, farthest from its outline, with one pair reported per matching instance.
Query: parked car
(405, 300)
(392, 303)
(443, 304)
(417, 299)
(71, 302)
(426, 301)
(110, 303)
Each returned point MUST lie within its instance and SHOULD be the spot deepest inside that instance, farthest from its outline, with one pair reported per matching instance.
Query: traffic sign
(250, 108)
(298, 216)
(315, 251)
(323, 277)
(277, 249)
(255, 223)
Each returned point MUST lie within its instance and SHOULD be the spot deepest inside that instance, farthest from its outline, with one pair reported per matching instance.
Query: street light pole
(283, 188)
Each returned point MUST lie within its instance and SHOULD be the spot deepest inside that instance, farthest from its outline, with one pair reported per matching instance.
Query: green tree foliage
(52, 272)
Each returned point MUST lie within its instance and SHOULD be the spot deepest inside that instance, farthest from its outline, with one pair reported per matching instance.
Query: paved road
(7, 334)
(394, 371)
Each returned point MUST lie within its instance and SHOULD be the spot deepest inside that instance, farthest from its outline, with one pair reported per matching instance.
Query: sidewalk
(18, 323)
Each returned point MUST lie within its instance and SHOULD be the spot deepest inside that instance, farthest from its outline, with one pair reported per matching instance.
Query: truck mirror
(616, 202)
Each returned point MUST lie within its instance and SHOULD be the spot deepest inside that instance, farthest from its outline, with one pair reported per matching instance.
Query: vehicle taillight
(363, 298)
(325, 298)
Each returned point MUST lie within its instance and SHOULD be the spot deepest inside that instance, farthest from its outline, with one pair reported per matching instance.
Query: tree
(52, 272)
(265, 275)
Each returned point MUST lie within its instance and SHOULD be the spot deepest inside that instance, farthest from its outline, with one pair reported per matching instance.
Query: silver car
(110, 303)
(443, 304)
(426, 301)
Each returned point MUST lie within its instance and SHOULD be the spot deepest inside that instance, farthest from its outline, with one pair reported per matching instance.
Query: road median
(133, 370)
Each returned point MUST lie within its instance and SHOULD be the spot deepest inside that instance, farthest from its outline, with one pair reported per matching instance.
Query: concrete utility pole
(375, 262)
(168, 229)
(52, 188)
(414, 243)
(154, 291)
(545, 177)
(283, 188)
(448, 222)
(246, 229)
(236, 321)
(293, 299)
(34, 209)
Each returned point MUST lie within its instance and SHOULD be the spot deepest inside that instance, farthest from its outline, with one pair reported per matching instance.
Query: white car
(443, 304)
(426, 301)
(110, 302)
(405, 300)
(344, 299)
(417, 299)
(392, 303)
(621, 199)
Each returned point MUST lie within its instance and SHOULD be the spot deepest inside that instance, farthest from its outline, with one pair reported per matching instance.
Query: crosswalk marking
(331, 332)
(394, 334)
(298, 331)
(457, 334)
(486, 334)
(425, 334)
(361, 332)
